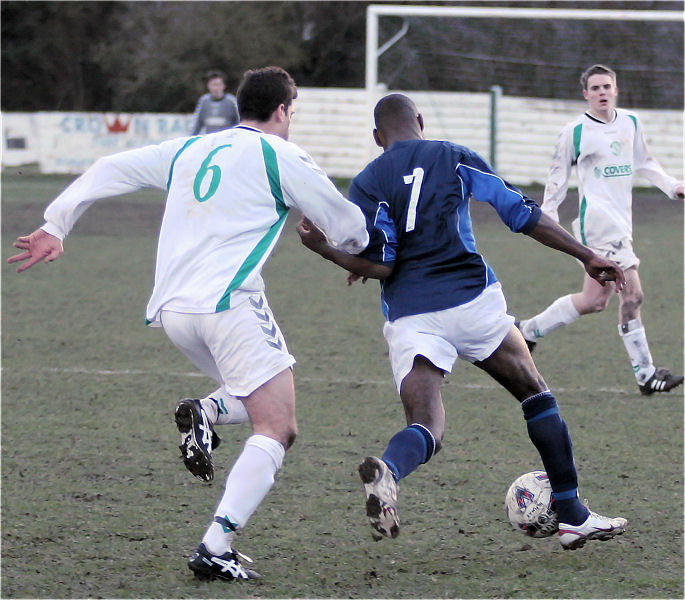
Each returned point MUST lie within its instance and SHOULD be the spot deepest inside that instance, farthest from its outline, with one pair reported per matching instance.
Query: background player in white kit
(228, 197)
(608, 147)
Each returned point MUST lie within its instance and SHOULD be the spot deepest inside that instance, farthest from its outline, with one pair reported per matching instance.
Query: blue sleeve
(517, 211)
(382, 233)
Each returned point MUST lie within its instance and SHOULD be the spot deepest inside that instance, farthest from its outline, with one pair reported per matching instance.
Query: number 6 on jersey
(415, 179)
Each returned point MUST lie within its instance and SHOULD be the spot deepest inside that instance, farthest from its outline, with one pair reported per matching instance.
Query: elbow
(381, 272)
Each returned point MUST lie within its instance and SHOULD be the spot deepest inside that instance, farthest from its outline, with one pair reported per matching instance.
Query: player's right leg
(565, 310)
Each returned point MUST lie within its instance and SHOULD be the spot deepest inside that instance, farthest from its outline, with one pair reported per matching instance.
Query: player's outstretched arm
(315, 239)
(547, 232)
(40, 245)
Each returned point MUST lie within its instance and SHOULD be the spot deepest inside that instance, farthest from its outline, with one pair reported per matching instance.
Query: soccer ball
(528, 505)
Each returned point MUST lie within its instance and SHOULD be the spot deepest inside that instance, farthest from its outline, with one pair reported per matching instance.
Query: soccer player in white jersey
(228, 197)
(608, 147)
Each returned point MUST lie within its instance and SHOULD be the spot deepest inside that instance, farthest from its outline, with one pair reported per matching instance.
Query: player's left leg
(223, 408)
(512, 366)
(424, 413)
(650, 379)
(195, 418)
(419, 356)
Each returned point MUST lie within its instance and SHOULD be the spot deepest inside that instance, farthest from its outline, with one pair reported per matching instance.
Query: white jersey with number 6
(228, 197)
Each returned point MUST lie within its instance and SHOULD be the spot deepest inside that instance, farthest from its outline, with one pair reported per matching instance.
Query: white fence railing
(334, 126)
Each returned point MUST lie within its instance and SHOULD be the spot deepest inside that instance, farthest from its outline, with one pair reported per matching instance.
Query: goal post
(374, 12)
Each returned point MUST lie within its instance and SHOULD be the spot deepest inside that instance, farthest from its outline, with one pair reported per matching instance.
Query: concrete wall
(334, 126)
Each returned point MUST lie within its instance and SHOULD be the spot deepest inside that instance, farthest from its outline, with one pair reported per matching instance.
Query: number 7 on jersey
(415, 179)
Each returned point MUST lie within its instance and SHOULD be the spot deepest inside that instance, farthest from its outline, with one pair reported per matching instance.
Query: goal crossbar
(374, 11)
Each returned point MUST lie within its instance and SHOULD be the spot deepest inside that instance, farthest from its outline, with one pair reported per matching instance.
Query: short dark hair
(262, 91)
(596, 70)
(393, 110)
(214, 75)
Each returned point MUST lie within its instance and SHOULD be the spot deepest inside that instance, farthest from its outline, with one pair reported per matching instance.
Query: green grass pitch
(96, 502)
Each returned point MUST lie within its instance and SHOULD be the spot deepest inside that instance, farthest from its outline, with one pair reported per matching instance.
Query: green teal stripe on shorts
(274, 177)
(173, 162)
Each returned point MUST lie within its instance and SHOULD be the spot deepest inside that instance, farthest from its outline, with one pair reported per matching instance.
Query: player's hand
(40, 245)
(603, 270)
(680, 192)
(310, 235)
(353, 277)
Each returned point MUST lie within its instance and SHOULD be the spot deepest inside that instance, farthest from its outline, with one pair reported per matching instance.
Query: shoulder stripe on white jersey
(173, 162)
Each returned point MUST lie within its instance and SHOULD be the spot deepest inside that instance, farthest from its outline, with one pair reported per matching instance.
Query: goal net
(532, 52)
(450, 58)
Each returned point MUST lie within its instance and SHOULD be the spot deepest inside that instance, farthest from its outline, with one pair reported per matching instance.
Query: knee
(630, 305)
(438, 444)
(283, 433)
(289, 437)
(599, 304)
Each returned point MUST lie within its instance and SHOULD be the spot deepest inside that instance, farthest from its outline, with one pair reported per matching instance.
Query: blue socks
(408, 449)
(415, 445)
(548, 432)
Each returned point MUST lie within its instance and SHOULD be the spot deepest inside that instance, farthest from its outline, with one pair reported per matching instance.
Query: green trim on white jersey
(173, 162)
(228, 195)
(577, 132)
(272, 173)
(253, 259)
(607, 156)
(581, 217)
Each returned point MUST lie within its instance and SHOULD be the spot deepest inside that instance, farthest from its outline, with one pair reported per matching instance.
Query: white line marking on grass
(140, 372)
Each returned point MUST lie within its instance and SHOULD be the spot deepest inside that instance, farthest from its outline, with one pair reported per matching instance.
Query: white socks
(635, 341)
(224, 409)
(247, 484)
(561, 312)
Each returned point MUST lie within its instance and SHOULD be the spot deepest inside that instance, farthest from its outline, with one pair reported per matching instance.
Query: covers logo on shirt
(617, 170)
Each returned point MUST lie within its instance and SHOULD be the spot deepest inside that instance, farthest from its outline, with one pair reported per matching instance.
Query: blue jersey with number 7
(415, 198)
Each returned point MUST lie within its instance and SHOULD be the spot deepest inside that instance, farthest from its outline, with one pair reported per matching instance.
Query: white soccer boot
(381, 496)
(595, 527)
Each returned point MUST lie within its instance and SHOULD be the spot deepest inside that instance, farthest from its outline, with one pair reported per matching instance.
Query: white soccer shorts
(621, 252)
(241, 348)
(472, 331)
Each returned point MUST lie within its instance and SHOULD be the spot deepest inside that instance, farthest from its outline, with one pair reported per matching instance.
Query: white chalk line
(321, 380)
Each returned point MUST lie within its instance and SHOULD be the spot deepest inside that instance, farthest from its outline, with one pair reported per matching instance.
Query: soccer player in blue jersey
(442, 301)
